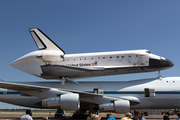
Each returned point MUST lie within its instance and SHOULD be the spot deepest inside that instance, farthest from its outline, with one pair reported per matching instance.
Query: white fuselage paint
(44, 63)
(167, 92)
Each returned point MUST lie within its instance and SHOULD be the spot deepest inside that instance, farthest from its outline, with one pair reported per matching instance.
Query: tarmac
(39, 116)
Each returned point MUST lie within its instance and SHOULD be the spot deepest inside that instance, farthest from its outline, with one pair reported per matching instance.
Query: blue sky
(85, 26)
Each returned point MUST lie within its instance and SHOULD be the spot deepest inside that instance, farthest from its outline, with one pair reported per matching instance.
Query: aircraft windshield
(148, 52)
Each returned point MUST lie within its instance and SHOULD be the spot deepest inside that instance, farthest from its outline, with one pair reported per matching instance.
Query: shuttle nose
(169, 63)
(162, 63)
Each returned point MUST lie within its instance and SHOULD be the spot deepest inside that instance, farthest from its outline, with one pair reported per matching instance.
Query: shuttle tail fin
(42, 41)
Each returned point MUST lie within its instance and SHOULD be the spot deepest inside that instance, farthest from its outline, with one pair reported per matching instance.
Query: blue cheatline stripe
(10, 92)
(105, 92)
(120, 92)
(137, 92)
(124, 92)
(167, 92)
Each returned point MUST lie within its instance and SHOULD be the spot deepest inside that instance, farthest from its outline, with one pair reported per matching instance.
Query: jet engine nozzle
(65, 102)
(119, 106)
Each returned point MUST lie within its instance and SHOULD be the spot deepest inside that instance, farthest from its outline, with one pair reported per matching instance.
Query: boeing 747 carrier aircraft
(51, 62)
(109, 96)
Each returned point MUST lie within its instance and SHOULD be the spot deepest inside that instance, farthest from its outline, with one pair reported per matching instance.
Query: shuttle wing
(58, 71)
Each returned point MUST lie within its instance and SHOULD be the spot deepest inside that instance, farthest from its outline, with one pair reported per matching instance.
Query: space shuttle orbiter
(51, 62)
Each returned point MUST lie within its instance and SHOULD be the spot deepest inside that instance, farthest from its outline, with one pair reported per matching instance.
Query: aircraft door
(149, 92)
(98, 91)
(143, 60)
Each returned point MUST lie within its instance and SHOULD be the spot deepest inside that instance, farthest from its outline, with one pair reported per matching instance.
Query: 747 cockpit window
(148, 52)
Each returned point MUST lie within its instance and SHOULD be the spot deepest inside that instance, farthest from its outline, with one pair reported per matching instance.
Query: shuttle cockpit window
(148, 52)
